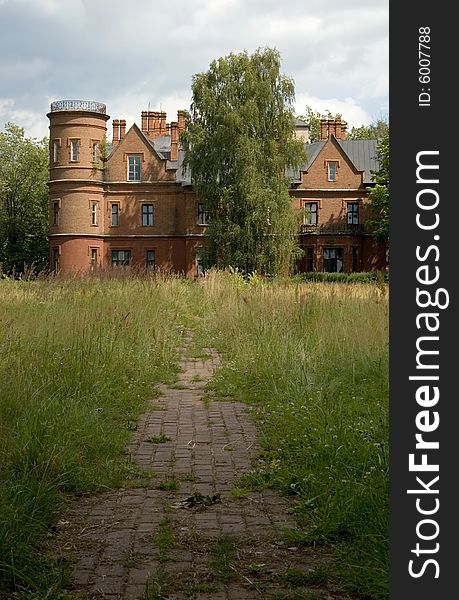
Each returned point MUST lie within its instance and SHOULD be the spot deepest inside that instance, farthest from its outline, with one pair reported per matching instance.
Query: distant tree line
(23, 201)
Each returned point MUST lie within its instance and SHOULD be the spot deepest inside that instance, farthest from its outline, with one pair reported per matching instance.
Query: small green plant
(223, 555)
(165, 539)
(169, 484)
(160, 439)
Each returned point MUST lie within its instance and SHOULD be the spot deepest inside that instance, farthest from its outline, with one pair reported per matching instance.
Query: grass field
(79, 358)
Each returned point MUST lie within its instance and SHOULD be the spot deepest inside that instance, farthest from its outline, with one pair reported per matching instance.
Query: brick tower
(76, 215)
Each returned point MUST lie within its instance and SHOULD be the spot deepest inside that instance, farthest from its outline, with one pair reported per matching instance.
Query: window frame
(57, 150)
(93, 257)
(335, 258)
(147, 214)
(202, 217)
(112, 214)
(353, 216)
(94, 214)
(148, 265)
(335, 167)
(56, 259)
(311, 214)
(74, 146)
(125, 262)
(134, 173)
(56, 212)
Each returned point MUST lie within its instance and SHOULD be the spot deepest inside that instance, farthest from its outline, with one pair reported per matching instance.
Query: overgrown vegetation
(312, 360)
(78, 359)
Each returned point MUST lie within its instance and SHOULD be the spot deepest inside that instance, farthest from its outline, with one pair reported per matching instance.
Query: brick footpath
(205, 447)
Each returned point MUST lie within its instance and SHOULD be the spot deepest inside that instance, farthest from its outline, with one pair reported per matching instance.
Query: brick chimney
(329, 127)
(181, 120)
(174, 140)
(144, 127)
(116, 131)
(340, 128)
(122, 128)
(162, 123)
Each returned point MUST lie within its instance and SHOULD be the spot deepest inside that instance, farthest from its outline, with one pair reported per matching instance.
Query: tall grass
(79, 357)
(312, 359)
(77, 361)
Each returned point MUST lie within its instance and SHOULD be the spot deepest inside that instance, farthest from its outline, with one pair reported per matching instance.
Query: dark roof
(162, 146)
(300, 123)
(362, 153)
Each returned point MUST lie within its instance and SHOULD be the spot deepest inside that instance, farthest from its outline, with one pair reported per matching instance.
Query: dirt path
(153, 543)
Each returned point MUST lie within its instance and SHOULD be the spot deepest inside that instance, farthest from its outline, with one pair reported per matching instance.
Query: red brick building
(131, 204)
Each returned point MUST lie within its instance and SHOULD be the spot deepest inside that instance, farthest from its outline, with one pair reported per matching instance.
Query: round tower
(76, 188)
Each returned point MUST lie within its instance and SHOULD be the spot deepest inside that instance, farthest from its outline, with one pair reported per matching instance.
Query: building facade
(130, 202)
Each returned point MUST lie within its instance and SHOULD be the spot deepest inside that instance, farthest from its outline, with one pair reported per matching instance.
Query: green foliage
(238, 144)
(379, 194)
(313, 117)
(23, 201)
(374, 131)
(362, 277)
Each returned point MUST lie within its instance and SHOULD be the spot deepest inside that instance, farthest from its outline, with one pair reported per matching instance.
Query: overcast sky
(133, 54)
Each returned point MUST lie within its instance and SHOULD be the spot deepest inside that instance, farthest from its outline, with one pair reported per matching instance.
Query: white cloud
(352, 113)
(127, 55)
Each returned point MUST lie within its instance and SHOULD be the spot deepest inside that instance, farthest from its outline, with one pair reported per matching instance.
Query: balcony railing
(334, 228)
(88, 105)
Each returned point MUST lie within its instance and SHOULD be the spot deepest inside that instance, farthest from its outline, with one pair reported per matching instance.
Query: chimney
(162, 123)
(340, 129)
(174, 140)
(323, 129)
(181, 120)
(122, 128)
(168, 128)
(331, 127)
(144, 121)
(116, 131)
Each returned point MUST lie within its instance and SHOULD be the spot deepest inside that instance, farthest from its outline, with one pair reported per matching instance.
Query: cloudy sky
(139, 53)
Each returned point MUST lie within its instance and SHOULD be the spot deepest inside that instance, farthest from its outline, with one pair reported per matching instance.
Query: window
(332, 166)
(311, 213)
(151, 259)
(94, 213)
(74, 150)
(147, 214)
(95, 151)
(309, 259)
(353, 213)
(115, 215)
(333, 260)
(134, 168)
(55, 264)
(56, 212)
(121, 258)
(200, 270)
(56, 151)
(93, 258)
(203, 215)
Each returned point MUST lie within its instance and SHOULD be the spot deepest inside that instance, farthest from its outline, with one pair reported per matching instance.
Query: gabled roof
(362, 153)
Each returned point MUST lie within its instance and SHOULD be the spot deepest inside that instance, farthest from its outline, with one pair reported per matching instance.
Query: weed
(160, 439)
